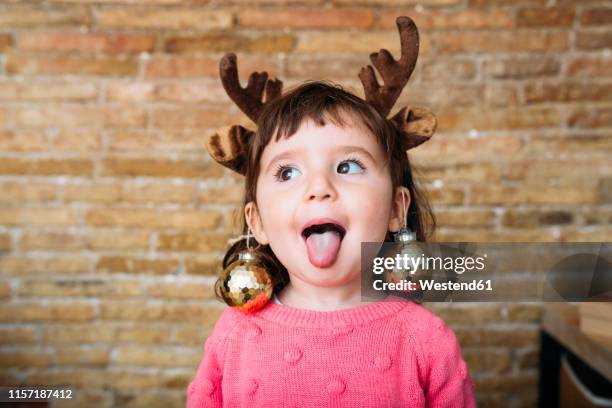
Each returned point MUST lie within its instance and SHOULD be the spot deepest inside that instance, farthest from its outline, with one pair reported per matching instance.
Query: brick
(125, 117)
(605, 189)
(164, 18)
(157, 193)
(601, 216)
(102, 376)
(596, 16)
(425, 3)
(94, 239)
(79, 333)
(208, 91)
(91, 42)
(519, 68)
(5, 287)
(463, 19)
(545, 17)
(593, 40)
(499, 96)
(501, 3)
(228, 194)
(98, 193)
(197, 118)
(25, 358)
(203, 264)
(487, 361)
(36, 64)
(186, 66)
(6, 42)
(500, 41)
(525, 312)
(59, 116)
(20, 192)
(463, 172)
(148, 2)
(527, 218)
(341, 42)
(39, 216)
(16, 265)
(47, 311)
(497, 119)
(158, 399)
(80, 356)
(223, 41)
(46, 167)
(564, 169)
(465, 313)
(451, 149)
(306, 18)
(465, 218)
(160, 141)
(516, 383)
(497, 336)
(446, 194)
(26, 16)
(45, 91)
(489, 235)
(590, 117)
(192, 241)
(532, 194)
(37, 141)
(588, 234)
(567, 92)
(127, 264)
(166, 311)
(138, 356)
(593, 144)
(590, 66)
(160, 168)
(454, 95)
(18, 335)
(191, 334)
(184, 219)
(315, 66)
(144, 334)
(81, 287)
(528, 358)
(4, 117)
(447, 69)
(181, 290)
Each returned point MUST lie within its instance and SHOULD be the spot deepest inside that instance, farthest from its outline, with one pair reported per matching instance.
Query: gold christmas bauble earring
(246, 284)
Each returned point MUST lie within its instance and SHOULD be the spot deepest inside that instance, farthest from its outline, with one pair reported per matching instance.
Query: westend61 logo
(411, 264)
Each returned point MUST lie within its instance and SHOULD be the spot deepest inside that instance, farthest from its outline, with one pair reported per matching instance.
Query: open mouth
(321, 228)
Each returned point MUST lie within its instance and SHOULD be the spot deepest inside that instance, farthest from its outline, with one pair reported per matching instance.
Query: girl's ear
(399, 208)
(254, 221)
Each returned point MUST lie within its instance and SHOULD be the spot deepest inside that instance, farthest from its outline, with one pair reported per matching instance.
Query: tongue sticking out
(323, 248)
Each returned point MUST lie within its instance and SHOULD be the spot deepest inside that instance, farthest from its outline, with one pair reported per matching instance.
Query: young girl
(324, 157)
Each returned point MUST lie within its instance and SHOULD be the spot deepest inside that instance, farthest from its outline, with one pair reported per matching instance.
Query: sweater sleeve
(448, 381)
(205, 388)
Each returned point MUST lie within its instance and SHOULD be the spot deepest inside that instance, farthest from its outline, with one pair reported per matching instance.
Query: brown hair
(321, 101)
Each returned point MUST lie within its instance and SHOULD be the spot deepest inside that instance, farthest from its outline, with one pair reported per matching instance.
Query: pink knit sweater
(391, 353)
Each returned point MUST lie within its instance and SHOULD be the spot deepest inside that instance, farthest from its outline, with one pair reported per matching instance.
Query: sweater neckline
(291, 316)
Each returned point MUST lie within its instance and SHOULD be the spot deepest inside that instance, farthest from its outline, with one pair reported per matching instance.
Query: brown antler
(249, 99)
(395, 74)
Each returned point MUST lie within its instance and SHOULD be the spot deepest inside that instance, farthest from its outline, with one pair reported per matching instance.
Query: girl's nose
(320, 188)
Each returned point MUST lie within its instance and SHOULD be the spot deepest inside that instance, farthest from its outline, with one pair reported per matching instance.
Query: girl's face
(324, 174)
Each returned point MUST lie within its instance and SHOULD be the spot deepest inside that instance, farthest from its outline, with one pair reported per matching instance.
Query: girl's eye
(283, 173)
(346, 166)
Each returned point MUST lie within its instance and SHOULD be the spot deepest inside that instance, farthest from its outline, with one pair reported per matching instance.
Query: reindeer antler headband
(416, 125)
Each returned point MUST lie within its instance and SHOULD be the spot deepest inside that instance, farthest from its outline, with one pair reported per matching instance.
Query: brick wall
(113, 219)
